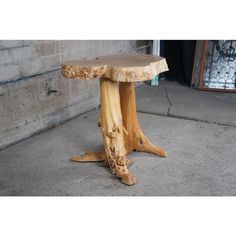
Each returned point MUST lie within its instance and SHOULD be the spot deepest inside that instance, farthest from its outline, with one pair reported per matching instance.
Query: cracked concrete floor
(178, 101)
(201, 161)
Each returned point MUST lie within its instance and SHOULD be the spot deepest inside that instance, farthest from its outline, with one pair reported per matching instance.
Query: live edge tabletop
(118, 119)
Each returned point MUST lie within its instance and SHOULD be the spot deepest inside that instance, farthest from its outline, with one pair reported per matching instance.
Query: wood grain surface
(123, 67)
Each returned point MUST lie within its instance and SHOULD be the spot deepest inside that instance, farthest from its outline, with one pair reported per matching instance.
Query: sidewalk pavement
(198, 130)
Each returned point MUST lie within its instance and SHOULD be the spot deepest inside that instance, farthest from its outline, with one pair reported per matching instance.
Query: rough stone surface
(30, 68)
(35, 104)
(9, 73)
(14, 56)
(33, 96)
(201, 159)
(11, 43)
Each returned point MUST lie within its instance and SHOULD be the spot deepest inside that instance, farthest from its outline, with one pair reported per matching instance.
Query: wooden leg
(112, 129)
(135, 139)
(89, 156)
(120, 129)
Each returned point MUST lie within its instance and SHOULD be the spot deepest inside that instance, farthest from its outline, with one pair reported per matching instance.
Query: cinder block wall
(33, 94)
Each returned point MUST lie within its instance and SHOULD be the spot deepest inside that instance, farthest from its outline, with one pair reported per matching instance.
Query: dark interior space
(180, 58)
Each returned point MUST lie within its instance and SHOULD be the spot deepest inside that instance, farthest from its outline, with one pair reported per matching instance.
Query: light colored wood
(135, 139)
(121, 130)
(112, 130)
(122, 67)
(90, 156)
(118, 119)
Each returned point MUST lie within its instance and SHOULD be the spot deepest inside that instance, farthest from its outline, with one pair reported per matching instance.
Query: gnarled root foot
(128, 179)
(119, 168)
(143, 144)
(89, 157)
(151, 148)
(128, 163)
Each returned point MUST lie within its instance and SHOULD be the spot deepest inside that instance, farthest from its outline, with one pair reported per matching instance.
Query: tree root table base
(118, 118)
(121, 130)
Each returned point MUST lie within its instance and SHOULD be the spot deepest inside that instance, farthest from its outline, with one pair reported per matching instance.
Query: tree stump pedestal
(118, 118)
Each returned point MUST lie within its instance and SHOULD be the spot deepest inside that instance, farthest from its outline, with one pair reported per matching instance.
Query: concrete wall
(33, 94)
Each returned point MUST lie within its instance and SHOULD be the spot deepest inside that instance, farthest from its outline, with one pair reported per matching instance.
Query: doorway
(179, 55)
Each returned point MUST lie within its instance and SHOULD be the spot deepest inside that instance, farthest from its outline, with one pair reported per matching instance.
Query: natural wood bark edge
(115, 73)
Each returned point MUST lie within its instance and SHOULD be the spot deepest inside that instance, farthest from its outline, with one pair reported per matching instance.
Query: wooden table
(118, 119)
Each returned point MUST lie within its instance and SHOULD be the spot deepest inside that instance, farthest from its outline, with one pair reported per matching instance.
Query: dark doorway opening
(179, 55)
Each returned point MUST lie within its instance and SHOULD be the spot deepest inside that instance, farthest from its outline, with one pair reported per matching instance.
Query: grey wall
(33, 94)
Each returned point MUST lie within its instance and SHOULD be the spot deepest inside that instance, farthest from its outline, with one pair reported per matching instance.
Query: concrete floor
(198, 129)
